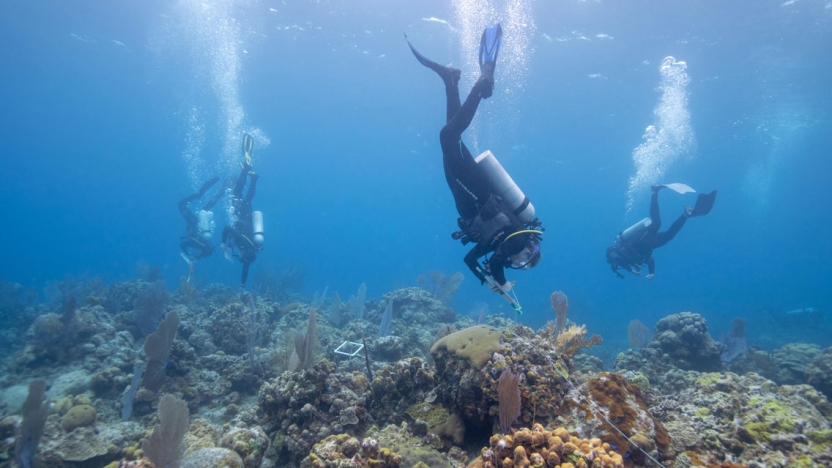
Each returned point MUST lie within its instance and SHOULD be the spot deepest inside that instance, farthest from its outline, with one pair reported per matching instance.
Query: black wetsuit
(470, 187)
(193, 246)
(241, 232)
(636, 252)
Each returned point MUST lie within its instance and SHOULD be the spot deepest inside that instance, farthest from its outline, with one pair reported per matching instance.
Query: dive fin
(229, 254)
(704, 203)
(248, 146)
(679, 188)
(444, 72)
(208, 185)
(490, 45)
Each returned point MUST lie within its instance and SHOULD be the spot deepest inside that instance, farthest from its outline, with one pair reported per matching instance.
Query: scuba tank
(205, 225)
(504, 187)
(633, 232)
(257, 228)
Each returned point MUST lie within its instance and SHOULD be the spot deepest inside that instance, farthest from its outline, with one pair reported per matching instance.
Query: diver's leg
(467, 184)
(244, 275)
(241, 181)
(655, 216)
(459, 122)
(213, 201)
(663, 238)
(453, 103)
(450, 76)
(252, 187)
(183, 208)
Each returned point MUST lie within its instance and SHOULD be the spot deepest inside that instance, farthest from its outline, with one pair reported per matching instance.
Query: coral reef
(684, 337)
(791, 361)
(344, 451)
(542, 448)
(747, 420)
(470, 362)
(394, 408)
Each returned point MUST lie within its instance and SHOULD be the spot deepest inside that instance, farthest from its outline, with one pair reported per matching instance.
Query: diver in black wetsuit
(484, 218)
(241, 234)
(634, 246)
(199, 226)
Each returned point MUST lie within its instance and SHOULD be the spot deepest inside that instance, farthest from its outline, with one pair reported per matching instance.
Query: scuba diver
(199, 226)
(493, 212)
(634, 246)
(246, 230)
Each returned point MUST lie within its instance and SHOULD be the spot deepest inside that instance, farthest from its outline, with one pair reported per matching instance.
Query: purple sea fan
(508, 392)
(733, 347)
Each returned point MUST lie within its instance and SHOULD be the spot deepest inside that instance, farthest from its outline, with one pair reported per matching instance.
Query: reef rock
(747, 420)
(819, 373)
(470, 361)
(616, 401)
(212, 458)
(684, 337)
(791, 361)
(344, 451)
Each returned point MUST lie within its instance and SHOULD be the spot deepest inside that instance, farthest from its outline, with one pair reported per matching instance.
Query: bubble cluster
(671, 134)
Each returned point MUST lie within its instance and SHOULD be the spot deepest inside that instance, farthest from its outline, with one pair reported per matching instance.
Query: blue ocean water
(113, 111)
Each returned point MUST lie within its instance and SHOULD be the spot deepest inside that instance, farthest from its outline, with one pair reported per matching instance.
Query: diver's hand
(635, 273)
(650, 276)
(500, 289)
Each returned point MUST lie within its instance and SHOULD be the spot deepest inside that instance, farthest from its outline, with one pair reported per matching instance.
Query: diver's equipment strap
(522, 206)
(524, 231)
(249, 240)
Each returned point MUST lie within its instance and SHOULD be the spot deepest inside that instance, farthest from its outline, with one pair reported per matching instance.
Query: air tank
(205, 224)
(503, 186)
(257, 228)
(633, 232)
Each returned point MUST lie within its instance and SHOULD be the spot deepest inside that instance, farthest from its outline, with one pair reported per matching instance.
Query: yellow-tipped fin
(248, 146)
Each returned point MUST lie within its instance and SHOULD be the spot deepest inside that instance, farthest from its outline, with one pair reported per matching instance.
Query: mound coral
(538, 447)
(344, 451)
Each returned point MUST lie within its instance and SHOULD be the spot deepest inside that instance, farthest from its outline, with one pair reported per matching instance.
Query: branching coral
(571, 340)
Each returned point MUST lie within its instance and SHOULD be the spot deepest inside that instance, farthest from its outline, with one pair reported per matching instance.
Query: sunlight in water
(210, 38)
(517, 21)
(780, 135)
(670, 136)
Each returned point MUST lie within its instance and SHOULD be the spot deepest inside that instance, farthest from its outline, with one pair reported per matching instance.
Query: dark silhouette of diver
(242, 234)
(634, 246)
(199, 226)
(483, 217)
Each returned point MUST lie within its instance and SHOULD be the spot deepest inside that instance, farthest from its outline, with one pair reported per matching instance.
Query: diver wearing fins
(634, 246)
(246, 230)
(493, 212)
(199, 226)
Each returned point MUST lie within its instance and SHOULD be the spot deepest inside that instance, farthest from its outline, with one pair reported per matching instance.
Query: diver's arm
(495, 266)
(651, 265)
(472, 260)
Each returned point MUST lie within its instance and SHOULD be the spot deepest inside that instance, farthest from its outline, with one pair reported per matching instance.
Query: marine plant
(440, 285)
(304, 351)
(35, 410)
(157, 348)
(638, 334)
(165, 446)
(561, 305)
(508, 391)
